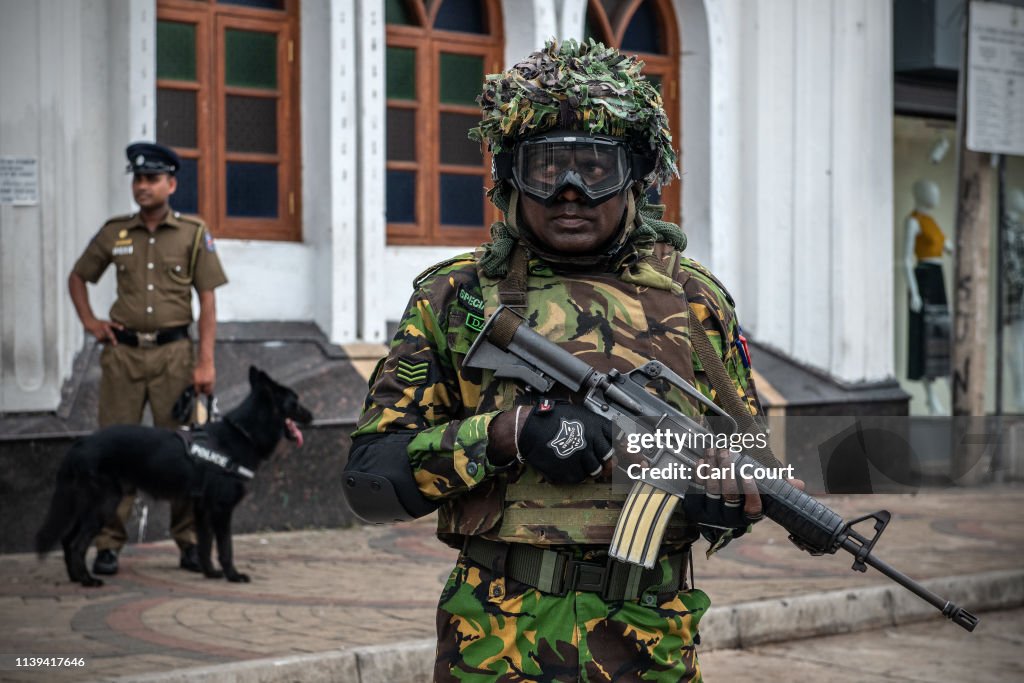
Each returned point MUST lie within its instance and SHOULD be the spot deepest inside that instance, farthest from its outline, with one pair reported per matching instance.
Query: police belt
(558, 571)
(157, 338)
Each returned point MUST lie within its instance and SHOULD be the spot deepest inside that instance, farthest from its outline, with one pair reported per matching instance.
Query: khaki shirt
(153, 290)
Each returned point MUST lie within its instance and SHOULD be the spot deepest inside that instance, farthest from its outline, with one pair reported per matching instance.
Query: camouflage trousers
(495, 629)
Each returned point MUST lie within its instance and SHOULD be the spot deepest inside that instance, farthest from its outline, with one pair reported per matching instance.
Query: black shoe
(105, 562)
(190, 559)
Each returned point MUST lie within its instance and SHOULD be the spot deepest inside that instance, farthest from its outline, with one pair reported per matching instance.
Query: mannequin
(1013, 288)
(929, 325)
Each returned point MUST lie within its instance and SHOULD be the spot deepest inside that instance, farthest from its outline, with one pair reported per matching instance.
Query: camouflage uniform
(422, 388)
(620, 313)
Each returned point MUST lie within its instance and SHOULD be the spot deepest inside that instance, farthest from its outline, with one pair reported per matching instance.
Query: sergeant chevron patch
(412, 372)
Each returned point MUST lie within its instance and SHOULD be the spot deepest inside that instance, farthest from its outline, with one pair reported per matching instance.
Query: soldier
(578, 137)
(159, 256)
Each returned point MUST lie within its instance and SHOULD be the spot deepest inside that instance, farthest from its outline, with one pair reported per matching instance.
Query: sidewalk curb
(727, 627)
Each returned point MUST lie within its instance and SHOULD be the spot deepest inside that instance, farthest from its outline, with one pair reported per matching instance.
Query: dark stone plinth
(296, 488)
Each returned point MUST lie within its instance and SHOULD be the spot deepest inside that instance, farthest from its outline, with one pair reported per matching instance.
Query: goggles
(598, 167)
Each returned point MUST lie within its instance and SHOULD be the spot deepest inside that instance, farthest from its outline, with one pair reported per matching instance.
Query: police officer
(578, 137)
(159, 257)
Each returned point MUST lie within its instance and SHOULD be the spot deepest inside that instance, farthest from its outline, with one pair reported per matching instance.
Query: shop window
(227, 102)
(646, 28)
(437, 55)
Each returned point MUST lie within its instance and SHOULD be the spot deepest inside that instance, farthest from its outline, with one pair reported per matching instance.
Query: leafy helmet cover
(577, 86)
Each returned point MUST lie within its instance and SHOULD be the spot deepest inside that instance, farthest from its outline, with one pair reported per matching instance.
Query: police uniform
(154, 357)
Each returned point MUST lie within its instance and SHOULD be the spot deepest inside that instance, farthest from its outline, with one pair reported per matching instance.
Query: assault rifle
(513, 351)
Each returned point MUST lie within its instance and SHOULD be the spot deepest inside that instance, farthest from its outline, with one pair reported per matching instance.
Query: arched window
(646, 28)
(438, 52)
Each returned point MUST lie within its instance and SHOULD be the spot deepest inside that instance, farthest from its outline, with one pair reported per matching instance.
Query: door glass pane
(401, 197)
(176, 51)
(250, 59)
(462, 78)
(395, 12)
(643, 34)
(186, 198)
(252, 124)
(462, 200)
(460, 15)
(176, 117)
(263, 4)
(401, 70)
(401, 134)
(252, 189)
(456, 147)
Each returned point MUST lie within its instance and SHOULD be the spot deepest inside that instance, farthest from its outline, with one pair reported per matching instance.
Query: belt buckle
(587, 576)
(146, 338)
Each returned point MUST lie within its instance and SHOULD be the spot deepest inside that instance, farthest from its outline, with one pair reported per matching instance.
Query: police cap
(149, 158)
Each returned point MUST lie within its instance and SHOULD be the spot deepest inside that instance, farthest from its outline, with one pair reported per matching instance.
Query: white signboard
(995, 81)
(19, 181)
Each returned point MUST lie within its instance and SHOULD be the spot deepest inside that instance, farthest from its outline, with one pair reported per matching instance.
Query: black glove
(565, 443)
(719, 505)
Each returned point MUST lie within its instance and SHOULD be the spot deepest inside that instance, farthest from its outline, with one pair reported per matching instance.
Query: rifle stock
(513, 351)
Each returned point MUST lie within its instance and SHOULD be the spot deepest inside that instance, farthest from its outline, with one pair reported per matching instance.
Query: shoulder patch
(432, 270)
(471, 302)
(412, 372)
(694, 267)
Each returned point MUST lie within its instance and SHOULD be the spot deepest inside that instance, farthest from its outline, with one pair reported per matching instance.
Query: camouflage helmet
(578, 86)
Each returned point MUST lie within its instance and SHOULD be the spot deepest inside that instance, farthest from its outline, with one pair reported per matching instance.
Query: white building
(308, 128)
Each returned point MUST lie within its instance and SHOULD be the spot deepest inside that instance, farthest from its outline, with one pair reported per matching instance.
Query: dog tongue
(294, 430)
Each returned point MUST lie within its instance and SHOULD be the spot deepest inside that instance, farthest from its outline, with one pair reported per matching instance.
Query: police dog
(210, 466)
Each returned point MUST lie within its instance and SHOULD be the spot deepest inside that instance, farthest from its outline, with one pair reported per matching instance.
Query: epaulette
(119, 219)
(695, 267)
(432, 270)
(195, 220)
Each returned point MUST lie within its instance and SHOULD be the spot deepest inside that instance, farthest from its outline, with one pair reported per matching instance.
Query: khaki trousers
(133, 376)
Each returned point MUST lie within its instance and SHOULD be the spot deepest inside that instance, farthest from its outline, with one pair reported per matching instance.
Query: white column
(861, 328)
(774, 139)
(693, 140)
(572, 18)
(330, 76)
(528, 23)
(811, 283)
(368, 177)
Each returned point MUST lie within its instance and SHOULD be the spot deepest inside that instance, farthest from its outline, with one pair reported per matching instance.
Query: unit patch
(412, 372)
(474, 322)
(741, 345)
(471, 301)
(209, 242)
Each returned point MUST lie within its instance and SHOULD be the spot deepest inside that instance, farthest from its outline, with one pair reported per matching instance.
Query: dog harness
(197, 447)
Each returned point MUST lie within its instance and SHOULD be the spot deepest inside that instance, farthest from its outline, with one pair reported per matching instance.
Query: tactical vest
(607, 323)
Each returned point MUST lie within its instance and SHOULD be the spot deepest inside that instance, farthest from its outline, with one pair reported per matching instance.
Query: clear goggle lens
(596, 167)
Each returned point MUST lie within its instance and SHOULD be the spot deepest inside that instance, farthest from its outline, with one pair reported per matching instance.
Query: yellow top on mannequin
(930, 241)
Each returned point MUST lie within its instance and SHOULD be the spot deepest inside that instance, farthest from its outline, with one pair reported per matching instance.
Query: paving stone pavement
(922, 653)
(325, 590)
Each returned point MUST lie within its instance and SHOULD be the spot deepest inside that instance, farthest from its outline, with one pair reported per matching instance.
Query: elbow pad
(379, 483)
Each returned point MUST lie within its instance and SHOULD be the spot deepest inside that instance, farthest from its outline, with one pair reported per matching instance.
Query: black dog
(210, 466)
